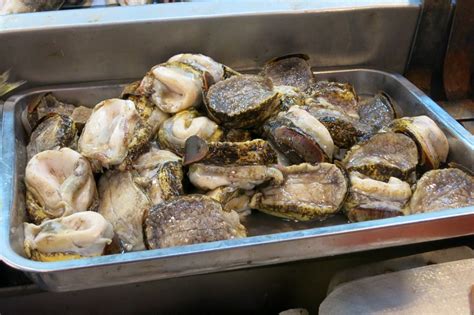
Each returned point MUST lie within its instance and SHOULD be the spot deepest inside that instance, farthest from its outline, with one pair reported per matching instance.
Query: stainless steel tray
(272, 240)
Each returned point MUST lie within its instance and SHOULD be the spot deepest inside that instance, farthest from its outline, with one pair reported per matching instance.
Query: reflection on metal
(120, 43)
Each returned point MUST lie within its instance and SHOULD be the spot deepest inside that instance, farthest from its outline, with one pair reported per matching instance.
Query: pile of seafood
(185, 154)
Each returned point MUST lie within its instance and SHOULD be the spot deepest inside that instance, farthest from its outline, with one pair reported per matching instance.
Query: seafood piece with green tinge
(209, 177)
(177, 129)
(54, 131)
(243, 101)
(383, 156)
(252, 152)
(300, 136)
(173, 86)
(369, 199)
(162, 174)
(308, 192)
(443, 189)
(432, 144)
(82, 234)
(190, 219)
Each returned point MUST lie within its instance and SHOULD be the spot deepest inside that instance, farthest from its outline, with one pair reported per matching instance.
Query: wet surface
(259, 223)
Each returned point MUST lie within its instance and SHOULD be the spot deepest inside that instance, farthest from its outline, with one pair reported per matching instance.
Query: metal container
(272, 240)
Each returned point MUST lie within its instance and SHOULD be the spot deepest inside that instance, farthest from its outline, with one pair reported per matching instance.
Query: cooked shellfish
(82, 234)
(189, 220)
(162, 173)
(443, 189)
(203, 63)
(123, 203)
(209, 177)
(300, 136)
(54, 131)
(243, 101)
(370, 199)
(335, 94)
(307, 192)
(176, 130)
(291, 70)
(173, 86)
(345, 130)
(432, 143)
(376, 112)
(234, 199)
(150, 114)
(252, 152)
(383, 156)
(110, 132)
(289, 96)
(24, 6)
(58, 183)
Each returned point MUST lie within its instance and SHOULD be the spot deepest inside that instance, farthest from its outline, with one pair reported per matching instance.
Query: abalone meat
(53, 132)
(161, 172)
(335, 94)
(123, 203)
(209, 177)
(252, 152)
(369, 199)
(308, 192)
(150, 114)
(443, 189)
(383, 156)
(290, 70)
(243, 101)
(82, 234)
(432, 144)
(234, 199)
(300, 136)
(176, 130)
(111, 131)
(58, 183)
(173, 86)
(189, 220)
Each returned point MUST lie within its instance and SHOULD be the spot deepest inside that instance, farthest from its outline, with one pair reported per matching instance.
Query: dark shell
(383, 156)
(189, 220)
(345, 130)
(243, 101)
(44, 105)
(53, 131)
(237, 135)
(291, 70)
(252, 152)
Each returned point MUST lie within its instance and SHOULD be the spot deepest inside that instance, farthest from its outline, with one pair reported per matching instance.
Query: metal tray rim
(17, 261)
(180, 11)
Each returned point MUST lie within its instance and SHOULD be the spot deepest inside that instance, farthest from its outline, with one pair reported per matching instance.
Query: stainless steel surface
(265, 290)
(317, 239)
(124, 42)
